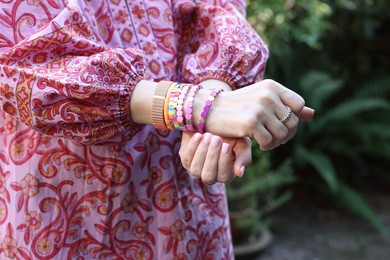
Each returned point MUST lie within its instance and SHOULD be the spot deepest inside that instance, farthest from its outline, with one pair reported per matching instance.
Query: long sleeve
(61, 81)
(218, 43)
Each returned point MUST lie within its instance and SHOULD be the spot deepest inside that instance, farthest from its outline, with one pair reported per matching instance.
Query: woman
(83, 171)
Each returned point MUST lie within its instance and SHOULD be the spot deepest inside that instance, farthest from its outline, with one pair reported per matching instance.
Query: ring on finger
(287, 116)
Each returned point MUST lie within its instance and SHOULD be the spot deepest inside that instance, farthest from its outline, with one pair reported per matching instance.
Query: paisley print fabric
(78, 178)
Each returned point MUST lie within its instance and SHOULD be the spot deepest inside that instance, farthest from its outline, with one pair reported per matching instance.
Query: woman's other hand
(260, 111)
(214, 159)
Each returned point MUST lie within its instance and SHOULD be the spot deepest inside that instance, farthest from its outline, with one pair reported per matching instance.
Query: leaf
(322, 164)
(349, 109)
(20, 202)
(27, 235)
(144, 205)
(145, 158)
(376, 87)
(351, 200)
(165, 231)
(24, 253)
(318, 87)
(139, 147)
(16, 187)
(151, 238)
(102, 229)
(53, 4)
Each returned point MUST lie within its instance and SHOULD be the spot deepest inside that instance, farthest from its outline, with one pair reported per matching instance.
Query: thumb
(243, 156)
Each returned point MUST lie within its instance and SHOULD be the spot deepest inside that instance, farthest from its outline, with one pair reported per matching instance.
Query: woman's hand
(256, 112)
(214, 159)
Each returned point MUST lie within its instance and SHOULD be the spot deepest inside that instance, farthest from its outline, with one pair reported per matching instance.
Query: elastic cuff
(218, 75)
(125, 109)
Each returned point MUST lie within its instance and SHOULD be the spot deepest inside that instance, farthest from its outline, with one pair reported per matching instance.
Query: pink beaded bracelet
(206, 109)
(188, 108)
(180, 117)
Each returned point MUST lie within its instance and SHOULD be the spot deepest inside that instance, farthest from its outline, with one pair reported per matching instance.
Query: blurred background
(326, 193)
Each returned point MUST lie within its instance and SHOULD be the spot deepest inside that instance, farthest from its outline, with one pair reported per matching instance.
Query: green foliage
(351, 200)
(334, 53)
(341, 138)
(259, 191)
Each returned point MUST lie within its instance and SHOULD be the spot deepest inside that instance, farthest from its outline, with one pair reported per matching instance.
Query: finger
(225, 171)
(243, 156)
(187, 153)
(210, 166)
(200, 156)
(263, 137)
(278, 132)
(292, 99)
(307, 113)
(292, 129)
(290, 121)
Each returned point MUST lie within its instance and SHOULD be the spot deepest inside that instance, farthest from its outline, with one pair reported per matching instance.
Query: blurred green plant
(334, 53)
(342, 138)
(258, 193)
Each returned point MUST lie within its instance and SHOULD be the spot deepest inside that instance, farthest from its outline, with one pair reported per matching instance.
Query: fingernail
(215, 141)
(207, 138)
(242, 170)
(197, 137)
(225, 148)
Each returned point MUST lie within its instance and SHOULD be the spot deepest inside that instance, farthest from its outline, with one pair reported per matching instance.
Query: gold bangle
(158, 104)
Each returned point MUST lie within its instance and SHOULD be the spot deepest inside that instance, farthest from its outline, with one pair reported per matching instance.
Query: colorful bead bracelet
(172, 106)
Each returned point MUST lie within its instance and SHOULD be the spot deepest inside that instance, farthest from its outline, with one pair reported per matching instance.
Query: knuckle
(226, 177)
(208, 179)
(266, 145)
(292, 124)
(283, 132)
(250, 122)
(185, 162)
(269, 82)
(266, 99)
(300, 103)
(195, 171)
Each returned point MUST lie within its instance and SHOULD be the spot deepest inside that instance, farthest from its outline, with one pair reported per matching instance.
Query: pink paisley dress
(78, 178)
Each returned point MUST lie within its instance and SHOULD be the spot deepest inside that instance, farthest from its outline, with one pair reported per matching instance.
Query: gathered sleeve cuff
(218, 43)
(62, 82)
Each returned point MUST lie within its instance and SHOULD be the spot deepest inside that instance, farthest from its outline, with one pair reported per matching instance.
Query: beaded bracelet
(206, 109)
(180, 107)
(158, 104)
(168, 122)
(188, 108)
(173, 104)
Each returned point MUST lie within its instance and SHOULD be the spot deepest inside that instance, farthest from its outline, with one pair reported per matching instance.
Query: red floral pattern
(78, 178)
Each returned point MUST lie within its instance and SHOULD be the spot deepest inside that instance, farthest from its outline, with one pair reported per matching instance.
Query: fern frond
(271, 180)
(349, 109)
(351, 200)
(318, 87)
(321, 163)
(377, 87)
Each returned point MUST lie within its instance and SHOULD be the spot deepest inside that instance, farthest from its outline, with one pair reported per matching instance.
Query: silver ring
(287, 116)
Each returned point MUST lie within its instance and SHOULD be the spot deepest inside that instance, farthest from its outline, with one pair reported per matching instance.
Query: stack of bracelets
(172, 106)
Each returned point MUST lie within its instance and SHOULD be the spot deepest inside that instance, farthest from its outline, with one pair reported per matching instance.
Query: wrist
(141, 102)
(152, 103)
(214, 83)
